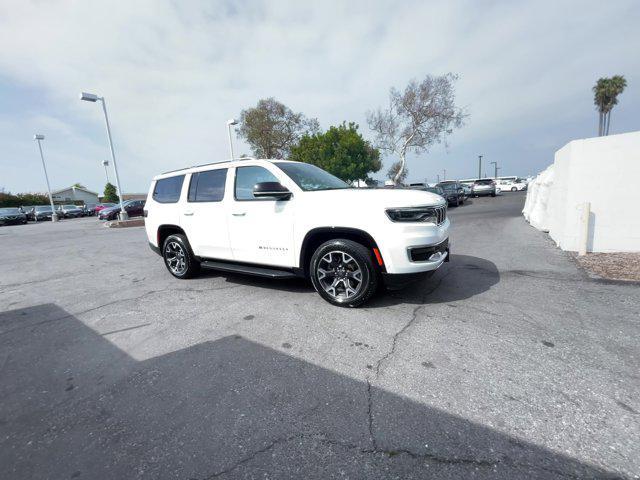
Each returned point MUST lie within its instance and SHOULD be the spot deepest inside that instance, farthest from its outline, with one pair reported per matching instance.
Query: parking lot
(508, 363)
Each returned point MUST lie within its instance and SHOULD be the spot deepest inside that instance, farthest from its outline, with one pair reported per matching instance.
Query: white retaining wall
(603, 171)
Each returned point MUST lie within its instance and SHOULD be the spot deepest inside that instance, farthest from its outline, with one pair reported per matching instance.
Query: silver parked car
(70, 211)
(483, 187)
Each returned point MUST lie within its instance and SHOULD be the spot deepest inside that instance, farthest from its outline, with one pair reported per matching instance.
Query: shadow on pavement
(463, 277)
(75, 406)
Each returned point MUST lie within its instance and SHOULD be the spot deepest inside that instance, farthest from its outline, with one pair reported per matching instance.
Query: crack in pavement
(391, 351)
(391, 453)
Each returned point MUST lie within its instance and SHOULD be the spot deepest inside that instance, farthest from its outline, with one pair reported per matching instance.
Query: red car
(102, 206)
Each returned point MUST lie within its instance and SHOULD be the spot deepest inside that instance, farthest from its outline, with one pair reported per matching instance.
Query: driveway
(508, 363)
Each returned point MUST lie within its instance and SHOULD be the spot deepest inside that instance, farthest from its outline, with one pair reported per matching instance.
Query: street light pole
(444, 174)
(54, 215)
(105, 164)
(495, 165)
(90, 97)
(231, 122)
(479, 166)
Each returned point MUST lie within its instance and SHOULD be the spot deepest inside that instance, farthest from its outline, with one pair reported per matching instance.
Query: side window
(167, 190)
(207, 186)
(247, 177)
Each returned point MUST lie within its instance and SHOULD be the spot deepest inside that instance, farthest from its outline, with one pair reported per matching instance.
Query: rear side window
(167, 190)
(207, 186)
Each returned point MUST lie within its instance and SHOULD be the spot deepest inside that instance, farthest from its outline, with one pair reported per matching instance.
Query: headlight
(413, 214)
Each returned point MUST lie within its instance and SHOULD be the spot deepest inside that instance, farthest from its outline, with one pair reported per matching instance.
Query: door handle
(188, 214)
(239, 214)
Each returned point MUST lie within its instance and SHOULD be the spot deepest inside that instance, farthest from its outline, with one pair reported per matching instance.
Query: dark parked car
(42, 212)
(69, 211)
(483, 187)
(134, 208)
(89, 209)
(437, 190)
(28, 211)
(12, 216)
(454, 193)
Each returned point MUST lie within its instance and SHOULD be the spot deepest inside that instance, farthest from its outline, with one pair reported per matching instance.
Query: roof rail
(211, 163)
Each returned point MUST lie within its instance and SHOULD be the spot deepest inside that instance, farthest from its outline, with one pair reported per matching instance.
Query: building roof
(73, 188)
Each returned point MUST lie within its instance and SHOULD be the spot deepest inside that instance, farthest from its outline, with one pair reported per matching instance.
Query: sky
(173, 72)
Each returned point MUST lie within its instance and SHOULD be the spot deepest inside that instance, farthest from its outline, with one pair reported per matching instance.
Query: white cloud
(173, 72)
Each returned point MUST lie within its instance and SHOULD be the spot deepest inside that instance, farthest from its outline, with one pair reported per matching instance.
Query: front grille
(441, 213)
(422, 254)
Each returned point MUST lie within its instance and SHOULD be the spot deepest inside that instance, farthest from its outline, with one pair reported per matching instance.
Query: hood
(377, 197)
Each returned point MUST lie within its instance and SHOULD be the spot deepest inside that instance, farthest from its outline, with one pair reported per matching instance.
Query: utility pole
(438, 178)
(479, 166)
(444, 174)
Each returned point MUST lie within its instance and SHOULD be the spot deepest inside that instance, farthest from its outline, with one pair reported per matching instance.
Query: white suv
(281, 219)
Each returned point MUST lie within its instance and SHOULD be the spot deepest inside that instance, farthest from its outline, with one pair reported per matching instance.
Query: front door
(204, 218)
(261, 230)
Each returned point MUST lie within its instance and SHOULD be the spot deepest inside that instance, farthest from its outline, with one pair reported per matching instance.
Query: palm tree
(606, 91)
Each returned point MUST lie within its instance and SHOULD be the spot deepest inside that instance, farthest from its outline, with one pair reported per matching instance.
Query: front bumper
(397, 243)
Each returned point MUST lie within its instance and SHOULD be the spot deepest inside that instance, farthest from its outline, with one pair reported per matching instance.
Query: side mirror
(271, 190)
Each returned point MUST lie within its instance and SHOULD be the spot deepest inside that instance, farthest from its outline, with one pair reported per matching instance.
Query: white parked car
(512, 185)
(280, 219)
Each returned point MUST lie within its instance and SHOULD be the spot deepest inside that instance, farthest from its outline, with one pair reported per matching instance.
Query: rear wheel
(343, 272)
(178, 257)
(514, 189)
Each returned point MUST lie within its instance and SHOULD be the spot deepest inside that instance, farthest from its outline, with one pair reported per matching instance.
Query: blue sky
(174, 72)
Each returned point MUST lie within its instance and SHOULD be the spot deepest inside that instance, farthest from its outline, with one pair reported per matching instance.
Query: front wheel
(514, 189)
(343, 272)
(178, 257)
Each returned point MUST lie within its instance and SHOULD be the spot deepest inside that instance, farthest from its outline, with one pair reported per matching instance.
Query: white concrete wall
(603, 171)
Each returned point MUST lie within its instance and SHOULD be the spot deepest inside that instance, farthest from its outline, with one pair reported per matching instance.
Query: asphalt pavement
(508, 363)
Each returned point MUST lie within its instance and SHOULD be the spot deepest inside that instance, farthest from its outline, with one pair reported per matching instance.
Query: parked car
(134, 208)
(28, 211)
(101, 206)
(483, 187)
(69, 211)
(12, 216)
(90, 209)
(467, 189)
(42, 212)
(512, 185)
(281, 219)
(437, 190)
(454, 194)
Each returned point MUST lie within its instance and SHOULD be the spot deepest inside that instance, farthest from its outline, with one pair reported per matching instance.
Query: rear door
(203, 214)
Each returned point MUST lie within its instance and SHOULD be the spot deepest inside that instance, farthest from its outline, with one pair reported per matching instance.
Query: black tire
(462, 202)
(458, 202)
(178, 257)
(493, 194)
(332, 253)
(514, 189)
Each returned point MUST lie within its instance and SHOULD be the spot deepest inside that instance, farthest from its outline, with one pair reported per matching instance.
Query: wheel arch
(165, 230)
(317, 236)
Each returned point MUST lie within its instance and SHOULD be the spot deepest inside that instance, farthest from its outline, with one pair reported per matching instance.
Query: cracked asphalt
(508, 363)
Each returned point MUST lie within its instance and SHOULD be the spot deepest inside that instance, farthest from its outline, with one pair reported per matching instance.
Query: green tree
(271, 128)
(605, 97)
(110, 194)
(340, 151)
(392, 173)
(79, 185)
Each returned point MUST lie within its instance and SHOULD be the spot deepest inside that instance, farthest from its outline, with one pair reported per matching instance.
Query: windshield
(483, 182)
(43, 209)
(447, 186)
(437, 190)
(69, 206)
(311, 178)
(5, 211)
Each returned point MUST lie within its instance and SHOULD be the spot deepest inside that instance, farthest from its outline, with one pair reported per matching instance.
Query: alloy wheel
(340, 275)
(175, 257)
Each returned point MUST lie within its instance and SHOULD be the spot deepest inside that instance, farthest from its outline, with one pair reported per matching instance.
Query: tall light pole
(90, 97)
(479, 166)
(231, 122)
(38, 138)
(105, 164)
(444, 174)
(495, 166)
